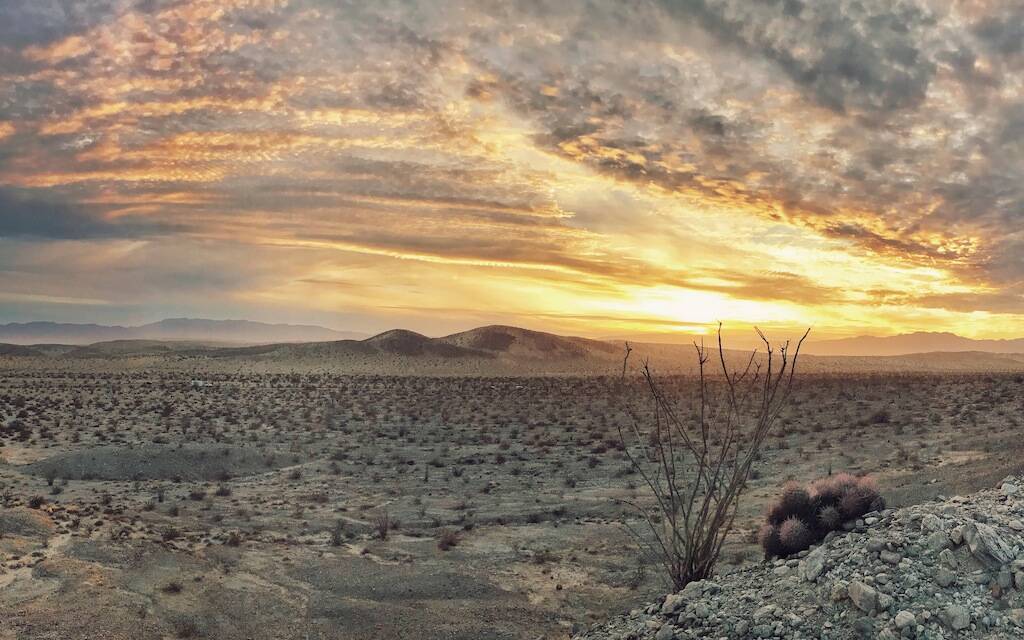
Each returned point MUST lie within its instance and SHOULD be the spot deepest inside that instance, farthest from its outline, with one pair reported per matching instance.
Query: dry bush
(383, 525)
(696, 461)
(448, 539)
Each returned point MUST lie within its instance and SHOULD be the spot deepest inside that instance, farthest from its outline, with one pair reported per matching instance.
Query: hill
(486, 351)
(173, 329)
(918, 342)
(946, 569)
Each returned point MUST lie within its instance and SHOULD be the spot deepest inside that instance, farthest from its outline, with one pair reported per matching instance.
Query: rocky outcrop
(947, 569)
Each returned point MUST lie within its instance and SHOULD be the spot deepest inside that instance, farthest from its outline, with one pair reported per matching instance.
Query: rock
(932, 522)
(885, 601)
(944, 577)
(839, 592)
(890, 557)
(863, 596)
(673, 602)
(987, 545)
(937, 541)
(697, 589)
(1004, 578)
(1016, 616)
(956, 617)
(948, 558)
(766, 611)
(813, 565)
(907, 578)
(864, 627)
(956, 534)
(1009, 489)
(905, 619)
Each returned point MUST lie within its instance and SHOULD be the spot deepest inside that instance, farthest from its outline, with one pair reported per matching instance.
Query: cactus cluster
(804, 515)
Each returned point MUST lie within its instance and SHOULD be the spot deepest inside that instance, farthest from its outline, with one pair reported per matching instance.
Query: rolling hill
(485, 351)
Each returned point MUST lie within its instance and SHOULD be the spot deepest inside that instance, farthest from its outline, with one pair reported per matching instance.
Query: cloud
(28, 213)
(468, 135)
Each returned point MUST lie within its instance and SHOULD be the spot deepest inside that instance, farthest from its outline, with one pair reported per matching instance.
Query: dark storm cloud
(846, 54)
(26, 213)
(38, 22)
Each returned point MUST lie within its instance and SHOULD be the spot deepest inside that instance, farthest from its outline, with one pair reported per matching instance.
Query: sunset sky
(597, 168)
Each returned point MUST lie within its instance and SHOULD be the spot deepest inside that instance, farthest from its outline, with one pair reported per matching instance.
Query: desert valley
(511, 320)
(474, 486)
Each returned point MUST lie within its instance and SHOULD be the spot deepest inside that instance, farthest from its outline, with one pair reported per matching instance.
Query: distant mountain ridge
(485, 351)
(911, 343)
(171, 329)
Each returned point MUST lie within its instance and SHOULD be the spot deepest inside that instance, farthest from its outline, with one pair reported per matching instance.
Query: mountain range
(172, 329)
(484, 351)
(907, 343)
(504, 347)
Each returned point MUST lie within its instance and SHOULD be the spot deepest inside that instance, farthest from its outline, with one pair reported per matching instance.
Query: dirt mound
(951, 568)
(157, 462)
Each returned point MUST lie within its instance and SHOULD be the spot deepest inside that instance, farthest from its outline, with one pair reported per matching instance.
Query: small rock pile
(947, 569)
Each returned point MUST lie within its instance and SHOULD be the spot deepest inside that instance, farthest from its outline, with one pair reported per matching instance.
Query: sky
(599, 168)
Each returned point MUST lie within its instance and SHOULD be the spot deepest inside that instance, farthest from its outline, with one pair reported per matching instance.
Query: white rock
(863, 596)
(905, 619)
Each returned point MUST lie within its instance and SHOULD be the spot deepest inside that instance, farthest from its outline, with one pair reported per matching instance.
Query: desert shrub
(803, 516)
(697, 462)
(882, 416)
(36, 501)
(382, 524)
(172, 587)
(448, 539)
(338, 533)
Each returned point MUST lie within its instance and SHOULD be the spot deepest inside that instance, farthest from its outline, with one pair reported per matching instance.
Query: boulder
(987, 545)
(863, 596)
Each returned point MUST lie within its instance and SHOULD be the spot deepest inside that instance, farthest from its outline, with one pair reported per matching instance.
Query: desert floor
(154, 504)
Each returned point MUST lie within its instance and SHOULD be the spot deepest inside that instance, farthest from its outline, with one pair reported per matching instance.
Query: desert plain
(404, 487)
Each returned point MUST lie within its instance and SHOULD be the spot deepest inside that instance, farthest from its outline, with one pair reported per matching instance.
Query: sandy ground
(160, 505)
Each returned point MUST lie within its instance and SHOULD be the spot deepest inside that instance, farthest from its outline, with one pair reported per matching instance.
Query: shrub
(172, 587)
(696, 464)
(448, 539)
(382, 524)
(802, 516)
(338, 533)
